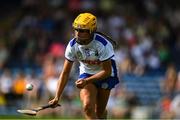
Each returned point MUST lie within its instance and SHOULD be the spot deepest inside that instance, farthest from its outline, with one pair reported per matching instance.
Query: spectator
(168, 87)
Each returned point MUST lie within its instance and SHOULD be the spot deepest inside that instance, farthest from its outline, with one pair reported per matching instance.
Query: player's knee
(88, 109)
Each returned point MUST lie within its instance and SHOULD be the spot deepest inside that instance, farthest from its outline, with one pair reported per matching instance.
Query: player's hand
(80, 83)
(54, 102)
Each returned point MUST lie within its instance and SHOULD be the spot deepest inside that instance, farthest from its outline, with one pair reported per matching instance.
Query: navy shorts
(107, 83)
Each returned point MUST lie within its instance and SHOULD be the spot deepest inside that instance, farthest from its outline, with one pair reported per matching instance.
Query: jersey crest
(79, 55)
(87, 52)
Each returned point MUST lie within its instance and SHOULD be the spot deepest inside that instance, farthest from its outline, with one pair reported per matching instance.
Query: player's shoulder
(101, 39)
(72, 42)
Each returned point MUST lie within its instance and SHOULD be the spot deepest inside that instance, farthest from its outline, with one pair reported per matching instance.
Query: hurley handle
(47, 106)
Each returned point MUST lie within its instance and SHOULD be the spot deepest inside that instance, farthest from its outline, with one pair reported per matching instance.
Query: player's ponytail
(108, 38)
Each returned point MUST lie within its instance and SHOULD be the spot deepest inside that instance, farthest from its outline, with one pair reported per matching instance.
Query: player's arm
(104, 73)
(63, 78)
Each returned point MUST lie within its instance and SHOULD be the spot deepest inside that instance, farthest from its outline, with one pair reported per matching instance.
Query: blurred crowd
(34, 35)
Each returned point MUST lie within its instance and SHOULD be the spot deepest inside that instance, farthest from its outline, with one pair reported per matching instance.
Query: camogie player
(98, 72)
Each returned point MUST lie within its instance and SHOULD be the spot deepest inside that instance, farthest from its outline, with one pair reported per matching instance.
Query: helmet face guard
(85, 21)
(83, 37)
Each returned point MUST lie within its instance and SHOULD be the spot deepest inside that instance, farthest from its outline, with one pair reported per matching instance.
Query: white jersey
(90, 56)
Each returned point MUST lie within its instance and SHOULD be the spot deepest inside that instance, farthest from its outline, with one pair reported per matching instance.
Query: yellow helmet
(85, 21)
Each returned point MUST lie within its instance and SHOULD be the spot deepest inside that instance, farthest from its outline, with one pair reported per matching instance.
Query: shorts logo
(104, 85)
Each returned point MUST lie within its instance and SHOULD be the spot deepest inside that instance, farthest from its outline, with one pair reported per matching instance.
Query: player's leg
(102, 99)
(88, 97)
